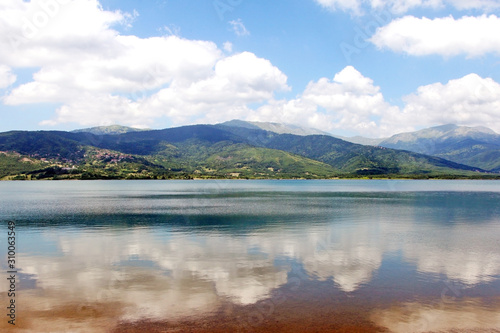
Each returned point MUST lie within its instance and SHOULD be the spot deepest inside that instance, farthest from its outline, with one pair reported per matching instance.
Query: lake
(253, 256)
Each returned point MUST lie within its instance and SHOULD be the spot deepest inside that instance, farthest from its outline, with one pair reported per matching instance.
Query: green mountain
(474, 146)
(298, 130)
(206, 151)
(351, 158)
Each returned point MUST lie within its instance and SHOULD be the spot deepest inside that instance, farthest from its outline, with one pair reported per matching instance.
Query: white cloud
(470, 100)
(38, 33)
(101, 109)
(6, 77)
(99, 76)
(472, 36)
(350, 102)
(239, 28)
(136, 64)
(359, 7)
(236, 81)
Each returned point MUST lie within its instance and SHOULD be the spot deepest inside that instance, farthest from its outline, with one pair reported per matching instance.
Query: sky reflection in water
(424, 254)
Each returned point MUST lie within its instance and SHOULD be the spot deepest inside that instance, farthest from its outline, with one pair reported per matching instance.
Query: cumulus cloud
(6, 77)
(352, 103)
(135, 64)
(38, 33)
(470, 100)
(91, 109)
(99, 76)
(472, 36)
(349, 101)
(359, 7)
(235, 82)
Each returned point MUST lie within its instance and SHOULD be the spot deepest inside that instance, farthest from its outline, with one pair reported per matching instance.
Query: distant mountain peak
(280, 128)
(476, 146)
(209, 151)
(441, 132)
(240, 123)
(110, 130)
(475, 129)
(275, 127)
(445, 128)
(459, 129)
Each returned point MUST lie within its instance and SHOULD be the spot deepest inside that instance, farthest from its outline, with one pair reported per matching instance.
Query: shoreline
(420, 177)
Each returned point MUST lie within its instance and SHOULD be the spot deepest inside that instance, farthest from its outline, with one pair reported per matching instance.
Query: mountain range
(235, 149)
(474, 146)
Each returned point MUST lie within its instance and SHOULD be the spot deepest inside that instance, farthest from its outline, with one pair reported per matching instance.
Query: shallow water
(351, 255)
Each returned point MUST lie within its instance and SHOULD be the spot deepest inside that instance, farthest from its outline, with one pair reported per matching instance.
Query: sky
(349, 67)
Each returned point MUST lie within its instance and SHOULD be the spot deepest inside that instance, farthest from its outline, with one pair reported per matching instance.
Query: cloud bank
(100, 76)
(470, 36)
(353, 102)
(95, 75)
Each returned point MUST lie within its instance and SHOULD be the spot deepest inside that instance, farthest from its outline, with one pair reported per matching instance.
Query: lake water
(253, 256)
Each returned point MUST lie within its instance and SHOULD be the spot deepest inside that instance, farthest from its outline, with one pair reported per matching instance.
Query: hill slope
(207, 151)
(475, 146)
(297, 130)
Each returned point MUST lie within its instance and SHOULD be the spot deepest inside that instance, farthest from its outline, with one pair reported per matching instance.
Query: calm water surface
(386, 255)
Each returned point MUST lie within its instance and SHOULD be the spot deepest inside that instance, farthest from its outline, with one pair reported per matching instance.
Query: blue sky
(357, 67)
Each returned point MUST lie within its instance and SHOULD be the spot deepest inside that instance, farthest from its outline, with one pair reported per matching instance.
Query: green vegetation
(17, 165)
(474, 146)
(204, 151)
